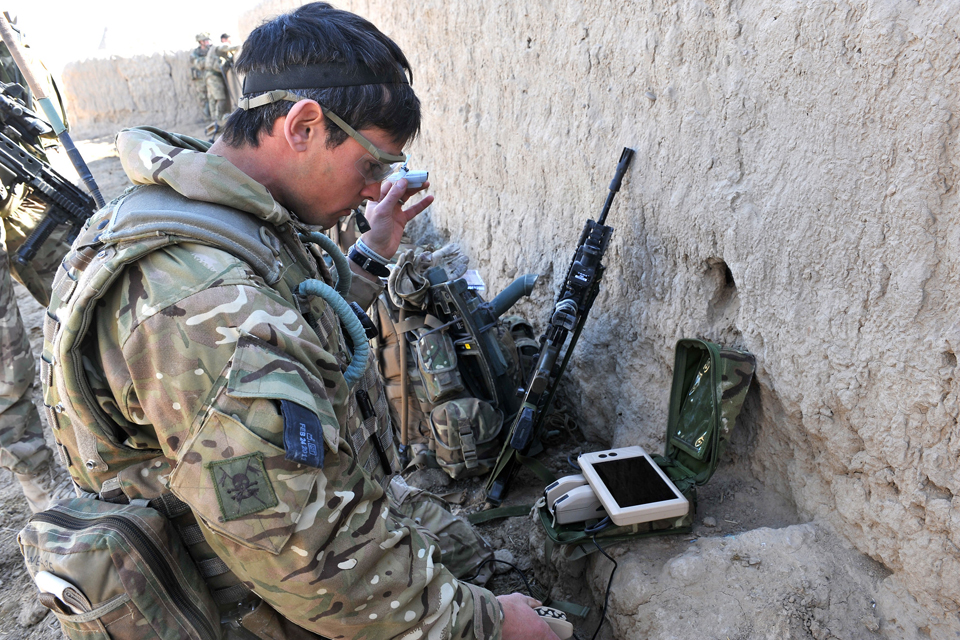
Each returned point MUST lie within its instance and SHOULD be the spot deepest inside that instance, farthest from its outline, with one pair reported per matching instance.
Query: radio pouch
(437, 363)
(709, 386)
(123, 573)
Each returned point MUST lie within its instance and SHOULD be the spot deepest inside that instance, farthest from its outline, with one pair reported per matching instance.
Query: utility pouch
(122, 570)
(465, 434)
(709, 386)
(437, 363)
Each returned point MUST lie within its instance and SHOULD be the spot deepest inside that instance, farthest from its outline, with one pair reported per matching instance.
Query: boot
(46, 485)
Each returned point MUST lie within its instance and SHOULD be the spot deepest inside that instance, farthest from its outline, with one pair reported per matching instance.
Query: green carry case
(709, 386)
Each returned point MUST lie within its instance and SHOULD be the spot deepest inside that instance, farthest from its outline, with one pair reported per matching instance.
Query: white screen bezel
(621, 516)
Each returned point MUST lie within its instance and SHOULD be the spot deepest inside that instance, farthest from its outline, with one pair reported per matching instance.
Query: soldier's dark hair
(317, 33)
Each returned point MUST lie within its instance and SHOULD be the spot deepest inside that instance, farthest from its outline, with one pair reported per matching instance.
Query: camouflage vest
(198, 63)
(144, 220)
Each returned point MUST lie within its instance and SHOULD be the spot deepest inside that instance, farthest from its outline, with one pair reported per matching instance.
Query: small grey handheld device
(415, 179)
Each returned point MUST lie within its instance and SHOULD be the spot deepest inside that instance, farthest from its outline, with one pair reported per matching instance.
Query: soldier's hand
(390, 215)
(521, 622)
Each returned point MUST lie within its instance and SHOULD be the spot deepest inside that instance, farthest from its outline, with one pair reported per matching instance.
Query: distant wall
(107, 94)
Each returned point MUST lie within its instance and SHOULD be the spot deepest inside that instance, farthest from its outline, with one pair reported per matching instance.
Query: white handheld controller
(577, 505)
(561, 486)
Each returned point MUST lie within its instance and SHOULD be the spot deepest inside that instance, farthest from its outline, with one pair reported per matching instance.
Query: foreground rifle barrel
(6, 32)
(579, 290)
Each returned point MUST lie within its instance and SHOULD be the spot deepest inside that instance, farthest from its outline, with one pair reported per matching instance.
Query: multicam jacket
(190, 372)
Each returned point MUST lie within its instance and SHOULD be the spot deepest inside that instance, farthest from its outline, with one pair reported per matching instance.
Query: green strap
(499, 512)
(538, 468)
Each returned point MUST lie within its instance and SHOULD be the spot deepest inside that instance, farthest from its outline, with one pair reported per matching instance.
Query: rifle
(20, 133)
(40, 95)
(579, 290)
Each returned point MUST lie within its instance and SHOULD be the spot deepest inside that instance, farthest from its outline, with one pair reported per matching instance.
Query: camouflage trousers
(217, 97)
(22, 448)
(201, 87)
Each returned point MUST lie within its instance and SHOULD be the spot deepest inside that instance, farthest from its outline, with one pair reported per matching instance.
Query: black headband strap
(318, 76)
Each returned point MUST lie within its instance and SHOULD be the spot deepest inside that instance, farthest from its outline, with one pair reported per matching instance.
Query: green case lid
(709, 386)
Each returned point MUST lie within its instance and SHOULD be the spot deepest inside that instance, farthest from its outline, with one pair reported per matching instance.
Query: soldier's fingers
(415, 209)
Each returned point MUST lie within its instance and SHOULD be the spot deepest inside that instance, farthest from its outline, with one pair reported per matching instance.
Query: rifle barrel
(625, 157)
(578, 291)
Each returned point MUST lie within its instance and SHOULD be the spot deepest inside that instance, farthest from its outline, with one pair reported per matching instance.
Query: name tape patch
(302, 435)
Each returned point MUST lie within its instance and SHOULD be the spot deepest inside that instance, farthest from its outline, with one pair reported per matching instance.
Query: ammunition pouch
(465, 436)
(437, 365)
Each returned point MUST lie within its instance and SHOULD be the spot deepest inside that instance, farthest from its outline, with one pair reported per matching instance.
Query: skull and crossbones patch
(242, 486)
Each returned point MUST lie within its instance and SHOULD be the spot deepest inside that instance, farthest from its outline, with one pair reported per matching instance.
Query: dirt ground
(732, 503)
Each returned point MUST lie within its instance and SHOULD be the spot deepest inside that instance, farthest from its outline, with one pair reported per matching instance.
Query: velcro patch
(242, 486)
(302, 435)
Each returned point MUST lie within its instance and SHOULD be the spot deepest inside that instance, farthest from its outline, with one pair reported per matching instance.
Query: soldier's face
(330, 186)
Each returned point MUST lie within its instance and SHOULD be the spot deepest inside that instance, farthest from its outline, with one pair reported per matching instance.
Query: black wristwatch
(369, 264)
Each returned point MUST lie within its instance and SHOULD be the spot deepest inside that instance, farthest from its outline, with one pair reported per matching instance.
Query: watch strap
(368, 264)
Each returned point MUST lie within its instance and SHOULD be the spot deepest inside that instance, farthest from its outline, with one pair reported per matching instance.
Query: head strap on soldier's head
(318, 76)
(247, 103)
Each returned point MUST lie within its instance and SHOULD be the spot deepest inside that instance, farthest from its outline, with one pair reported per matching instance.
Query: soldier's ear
(303, 126)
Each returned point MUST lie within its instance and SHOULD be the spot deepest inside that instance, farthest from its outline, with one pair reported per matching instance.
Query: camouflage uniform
(204, 366)
(22, 448)
(198, 65)
(217, 95)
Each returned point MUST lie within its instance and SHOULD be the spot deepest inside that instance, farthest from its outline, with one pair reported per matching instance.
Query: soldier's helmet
(203, 36)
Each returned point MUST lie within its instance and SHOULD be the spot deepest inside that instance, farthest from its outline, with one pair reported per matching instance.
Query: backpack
(451, 362)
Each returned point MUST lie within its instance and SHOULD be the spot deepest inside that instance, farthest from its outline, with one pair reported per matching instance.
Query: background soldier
(22, 447)
(234, 90)
(198, 65)
(217, 96)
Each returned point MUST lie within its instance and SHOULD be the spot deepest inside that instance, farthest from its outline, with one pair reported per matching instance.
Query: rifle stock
(580, 289)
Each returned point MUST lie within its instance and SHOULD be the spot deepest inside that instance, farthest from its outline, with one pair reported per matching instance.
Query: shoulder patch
(242, 486)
